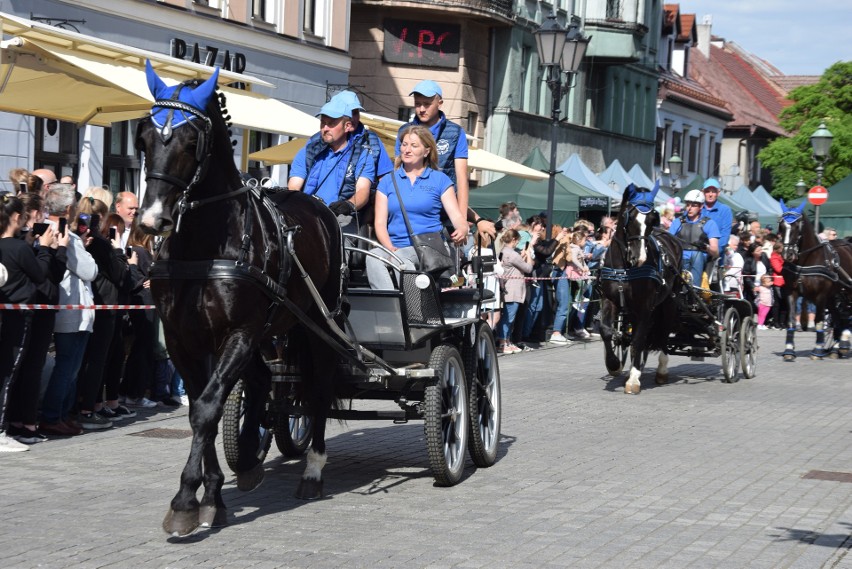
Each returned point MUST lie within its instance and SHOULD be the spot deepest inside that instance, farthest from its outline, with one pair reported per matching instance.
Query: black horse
(639, 271)
(233, 272)
(819, 272)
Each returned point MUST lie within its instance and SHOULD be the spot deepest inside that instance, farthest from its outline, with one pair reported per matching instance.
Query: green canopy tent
(837, 211)
(531, 195)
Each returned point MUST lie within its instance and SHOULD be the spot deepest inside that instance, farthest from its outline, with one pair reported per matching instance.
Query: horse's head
(176, 140)
(790, 230)
(636, 222)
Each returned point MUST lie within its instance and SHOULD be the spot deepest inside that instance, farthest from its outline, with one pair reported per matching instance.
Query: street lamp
(801, 187)
(821, 144)
(561, 51)
(675, 170)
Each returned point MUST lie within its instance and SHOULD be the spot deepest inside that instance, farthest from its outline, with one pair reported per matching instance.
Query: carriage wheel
(446, 416)
(730, 339)
(748, 348)
(622, 347)
(293, 433)
(483, 375)
(232, 425)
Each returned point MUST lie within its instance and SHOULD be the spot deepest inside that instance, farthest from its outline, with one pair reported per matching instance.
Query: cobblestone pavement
(696, 473)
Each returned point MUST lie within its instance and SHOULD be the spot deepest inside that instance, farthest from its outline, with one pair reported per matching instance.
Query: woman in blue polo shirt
(425, 190)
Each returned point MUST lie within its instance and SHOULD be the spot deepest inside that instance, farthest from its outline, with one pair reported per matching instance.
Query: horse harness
(831, 269)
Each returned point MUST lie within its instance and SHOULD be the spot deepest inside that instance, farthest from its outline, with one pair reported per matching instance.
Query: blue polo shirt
(724, 218)
(460, 150)
(325, 179)
(422, 203)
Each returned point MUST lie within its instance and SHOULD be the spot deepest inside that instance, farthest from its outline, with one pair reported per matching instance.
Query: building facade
(300, 46)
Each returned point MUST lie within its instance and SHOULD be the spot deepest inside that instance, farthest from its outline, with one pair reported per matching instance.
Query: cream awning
(55, 73)
(387, 129)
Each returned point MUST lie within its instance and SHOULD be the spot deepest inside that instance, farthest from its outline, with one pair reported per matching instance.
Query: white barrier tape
(77, 307)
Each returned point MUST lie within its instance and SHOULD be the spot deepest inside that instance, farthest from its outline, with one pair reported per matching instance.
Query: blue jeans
(693, 261)
(62, 387)
(535, 304)
(176, 387)
(510, 310)
(563, 301)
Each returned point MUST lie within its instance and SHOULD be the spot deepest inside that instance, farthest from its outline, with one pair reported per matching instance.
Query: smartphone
(128, 251)
(63, 223)
(40, 228)
(96, 222)
(22, 187)
(112, 233)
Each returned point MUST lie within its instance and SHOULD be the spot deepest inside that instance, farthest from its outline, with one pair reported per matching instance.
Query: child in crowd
(764, 295)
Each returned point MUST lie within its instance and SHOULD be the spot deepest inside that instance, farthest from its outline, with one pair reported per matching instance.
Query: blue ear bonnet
(791, 215)
(642, 198)
(197, 97)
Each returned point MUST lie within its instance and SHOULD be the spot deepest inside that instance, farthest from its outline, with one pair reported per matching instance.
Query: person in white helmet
(699, 234)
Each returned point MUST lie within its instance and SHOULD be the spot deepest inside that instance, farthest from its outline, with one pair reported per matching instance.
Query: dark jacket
(113, 270)
(27, 268)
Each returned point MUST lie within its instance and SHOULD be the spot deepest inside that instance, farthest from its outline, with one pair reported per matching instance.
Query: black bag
(432, 252)
(431, 248)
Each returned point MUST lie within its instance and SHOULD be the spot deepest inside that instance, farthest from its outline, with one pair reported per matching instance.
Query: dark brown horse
(638, 274)
(819, 272)
(233, 272)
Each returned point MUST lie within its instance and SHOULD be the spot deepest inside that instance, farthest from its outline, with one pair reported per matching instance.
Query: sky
(797, 37)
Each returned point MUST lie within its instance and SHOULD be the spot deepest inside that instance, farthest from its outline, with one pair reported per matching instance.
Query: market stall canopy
(643, 181)
(745, 197)
(616, 174)
(575, 169)
(55, 73)
(766, 200)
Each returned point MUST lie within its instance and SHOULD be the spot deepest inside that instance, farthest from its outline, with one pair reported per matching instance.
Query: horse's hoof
(834, 355)
(251, 479)
(309, 489)
(789, 357)
(180, 524)
(212, 517)
(661, 379)
(614, 372)
(632, 389)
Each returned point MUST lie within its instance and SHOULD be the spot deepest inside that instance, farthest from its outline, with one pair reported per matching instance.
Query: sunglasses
(693, 204)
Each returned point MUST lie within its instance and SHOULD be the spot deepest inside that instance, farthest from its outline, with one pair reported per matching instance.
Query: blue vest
(446, 140)
(316, 145)
(369, 142)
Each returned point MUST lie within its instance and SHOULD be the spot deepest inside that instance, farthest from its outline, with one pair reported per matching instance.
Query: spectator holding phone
(73, 327)
(24, 271)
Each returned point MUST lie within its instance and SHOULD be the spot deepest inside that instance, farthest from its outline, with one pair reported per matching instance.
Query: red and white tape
(77, 306)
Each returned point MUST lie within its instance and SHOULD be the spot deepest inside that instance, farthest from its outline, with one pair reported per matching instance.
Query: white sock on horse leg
(316, 462)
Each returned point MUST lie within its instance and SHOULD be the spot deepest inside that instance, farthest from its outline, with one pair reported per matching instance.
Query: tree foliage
(829, 101)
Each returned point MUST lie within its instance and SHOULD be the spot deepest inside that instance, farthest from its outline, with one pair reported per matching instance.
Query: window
(472, 119)
(694, 157)
(526, 78)
(405, 114)
(613, 9)
(122, 165)
(259, 141)
(676, 144)
(658, 147)
(57, 147)
(717, 155)
(309, 18)
(262, 10)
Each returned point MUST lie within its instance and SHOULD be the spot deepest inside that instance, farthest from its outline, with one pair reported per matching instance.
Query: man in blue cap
(335, 170)
(452, 145)
(720, 213)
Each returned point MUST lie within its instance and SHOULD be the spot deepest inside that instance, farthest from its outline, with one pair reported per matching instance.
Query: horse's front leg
(185, 513)
(789, 354)
(611, 359)
(637, 355)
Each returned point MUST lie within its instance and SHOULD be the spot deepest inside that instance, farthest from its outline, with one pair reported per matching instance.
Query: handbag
(431, 249)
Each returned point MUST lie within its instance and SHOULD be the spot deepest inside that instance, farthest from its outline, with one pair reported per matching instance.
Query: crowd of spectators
(61, 247)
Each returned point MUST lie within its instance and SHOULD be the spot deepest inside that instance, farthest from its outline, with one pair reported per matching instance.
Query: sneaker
(8, 444)
(184, 400)
(73, 426)
(26, 436)
(558, 339)
(582, 335)
(142, 402)
(93, 421)
(762, 327)
(108, 414)
(169, 402)
(122, 412)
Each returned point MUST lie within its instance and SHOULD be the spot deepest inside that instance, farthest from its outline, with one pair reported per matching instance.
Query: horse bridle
(649, 239)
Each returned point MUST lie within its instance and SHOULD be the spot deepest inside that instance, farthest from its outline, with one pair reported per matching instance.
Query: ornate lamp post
(561, 51)
(821, 144)
(675, 170)
(801, 187)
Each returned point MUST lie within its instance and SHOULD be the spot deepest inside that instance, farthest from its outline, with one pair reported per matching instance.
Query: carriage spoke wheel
(233, 417)
(293, 432)
(483, 382)
(748, 347)
(446, 416)
(621, 342)
(730, 339)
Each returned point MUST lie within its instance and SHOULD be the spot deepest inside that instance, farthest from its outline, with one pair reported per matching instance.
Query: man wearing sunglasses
(699, 234)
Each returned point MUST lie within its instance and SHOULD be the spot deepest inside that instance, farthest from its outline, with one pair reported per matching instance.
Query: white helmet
(696, 196)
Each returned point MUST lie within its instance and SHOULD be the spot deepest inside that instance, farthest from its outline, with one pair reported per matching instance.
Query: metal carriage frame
(424, 348)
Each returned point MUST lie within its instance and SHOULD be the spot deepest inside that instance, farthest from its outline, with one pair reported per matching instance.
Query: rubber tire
(232, 417)
(446, 421)
(622, 346)
(293, 434)
(483, 381)
(730, 338)
(748, 347)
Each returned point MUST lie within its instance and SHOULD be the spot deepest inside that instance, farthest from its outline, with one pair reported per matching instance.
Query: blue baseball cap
(427, 88)
(334, 109)
(711, 183)
(349, 99)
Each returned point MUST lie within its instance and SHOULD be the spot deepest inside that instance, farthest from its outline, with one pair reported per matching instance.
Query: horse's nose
(154, 220)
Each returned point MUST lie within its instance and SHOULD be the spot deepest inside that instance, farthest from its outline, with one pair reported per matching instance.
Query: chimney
(704, 29)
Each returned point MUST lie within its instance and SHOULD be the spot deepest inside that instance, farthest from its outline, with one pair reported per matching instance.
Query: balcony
(500, 11)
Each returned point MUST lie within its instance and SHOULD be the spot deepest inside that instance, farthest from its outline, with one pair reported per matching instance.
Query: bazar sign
(593, 203)
(208, 55)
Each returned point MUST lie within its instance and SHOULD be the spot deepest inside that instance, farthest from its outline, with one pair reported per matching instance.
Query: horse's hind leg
(611, 359)
(789, 354)
(256, 381)
(662, 376)
(819, 352)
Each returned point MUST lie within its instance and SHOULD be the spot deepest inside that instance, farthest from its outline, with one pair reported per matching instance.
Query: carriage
(424, 347)
(648, 303)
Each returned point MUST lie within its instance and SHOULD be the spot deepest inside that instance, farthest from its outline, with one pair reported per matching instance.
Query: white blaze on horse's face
(152, 214)
(643, 256)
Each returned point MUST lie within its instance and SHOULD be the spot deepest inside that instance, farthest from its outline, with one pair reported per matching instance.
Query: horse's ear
(201, 94)
(655, 190)
(155, 84)
(630, 191)
(783, 207)
(802, 205)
